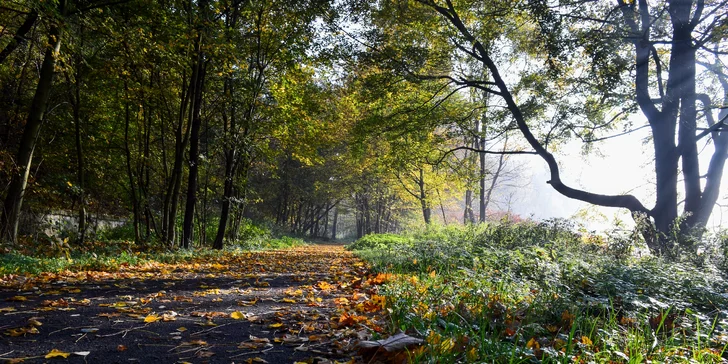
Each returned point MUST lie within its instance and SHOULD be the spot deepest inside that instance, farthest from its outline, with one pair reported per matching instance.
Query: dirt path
(309, 304)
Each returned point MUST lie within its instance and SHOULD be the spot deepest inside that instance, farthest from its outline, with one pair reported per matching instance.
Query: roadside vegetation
(523, 292)
(115, 249)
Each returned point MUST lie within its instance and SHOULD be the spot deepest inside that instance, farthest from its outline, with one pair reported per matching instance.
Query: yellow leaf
(69, 183)
(55, 353)
(533, 344)
(151, 318)
(585, 340)
(275, 326)
(17, 298)
(288, 300)
(433, 274)
(237, 315)
(34, 322)
(182, 329)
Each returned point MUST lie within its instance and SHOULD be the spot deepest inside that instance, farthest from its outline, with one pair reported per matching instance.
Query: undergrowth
(35, 255)
(529, 292)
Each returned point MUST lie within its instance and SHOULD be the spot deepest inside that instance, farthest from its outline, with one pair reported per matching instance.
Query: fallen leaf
(237, 315)
(55, 353)
(151, 318)
(387, 349)
(34, 322)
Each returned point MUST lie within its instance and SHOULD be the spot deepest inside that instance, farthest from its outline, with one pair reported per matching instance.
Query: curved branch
(629, 202)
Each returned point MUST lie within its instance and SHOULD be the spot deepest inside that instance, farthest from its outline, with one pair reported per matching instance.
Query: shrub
(379, 241)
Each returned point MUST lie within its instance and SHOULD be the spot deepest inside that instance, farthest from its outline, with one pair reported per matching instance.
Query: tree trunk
(335, 222)
(496, 175)
(187, 226)
(16, 190)
(468, 217)
(482, 204)
(19, 37)
(129, 170)
(80, 173)
(426, 210)
(227, 196)
(181, 138)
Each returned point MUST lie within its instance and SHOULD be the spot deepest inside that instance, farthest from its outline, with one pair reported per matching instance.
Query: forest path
(308, 304)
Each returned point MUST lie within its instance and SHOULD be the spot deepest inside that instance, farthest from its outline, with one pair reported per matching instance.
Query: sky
(623, 166)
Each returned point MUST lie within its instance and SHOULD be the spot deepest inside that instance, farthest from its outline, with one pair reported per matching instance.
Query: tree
(57, 15)
(24, 158)
(681, 31)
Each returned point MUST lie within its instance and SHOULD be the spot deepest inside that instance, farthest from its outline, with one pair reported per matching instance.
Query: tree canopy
(192, 118)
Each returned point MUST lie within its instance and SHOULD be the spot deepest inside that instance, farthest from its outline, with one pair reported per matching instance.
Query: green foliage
(515, 292)
(252, 235)
(379, 241)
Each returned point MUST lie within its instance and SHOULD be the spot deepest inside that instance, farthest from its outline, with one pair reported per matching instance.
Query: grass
(529, 292)
(48, 254)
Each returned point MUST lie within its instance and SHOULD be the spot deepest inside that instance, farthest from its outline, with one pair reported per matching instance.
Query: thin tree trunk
(426, 211)
(16, 190)
(227, 196)
(482, 204)
(129, 171)
(187, 225)
(442, 208)
(19, 37)
(181, 138)
(335, 222)
(80, 165)
(496, 175)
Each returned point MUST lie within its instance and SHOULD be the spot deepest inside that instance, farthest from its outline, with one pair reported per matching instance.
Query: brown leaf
(394, 349)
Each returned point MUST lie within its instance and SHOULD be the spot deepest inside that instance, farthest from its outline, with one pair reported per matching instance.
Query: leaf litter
(307, 304)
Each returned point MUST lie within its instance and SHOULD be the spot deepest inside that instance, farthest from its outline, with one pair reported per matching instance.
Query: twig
(264, 351)
(207, 330)
(8, 353)
(70, 328)
(197, 348)
(19, 312)
(125, 331)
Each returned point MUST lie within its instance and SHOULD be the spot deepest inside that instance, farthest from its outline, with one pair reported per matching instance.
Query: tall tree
(666, 37)
(200, 65)
(24, 158)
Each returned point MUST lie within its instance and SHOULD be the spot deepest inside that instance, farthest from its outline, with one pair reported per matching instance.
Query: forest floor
(309, 304)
